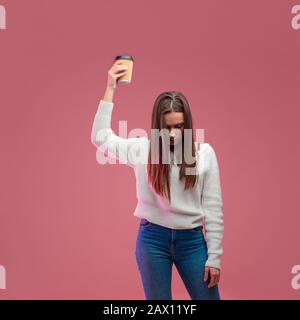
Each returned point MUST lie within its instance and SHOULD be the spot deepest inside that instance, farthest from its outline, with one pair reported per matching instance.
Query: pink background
(67, 229)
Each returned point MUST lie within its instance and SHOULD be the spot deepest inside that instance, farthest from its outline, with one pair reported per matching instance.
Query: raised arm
(213, 209)
(102, 135)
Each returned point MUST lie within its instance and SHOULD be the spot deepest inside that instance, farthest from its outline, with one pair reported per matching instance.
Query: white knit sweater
(201, 205)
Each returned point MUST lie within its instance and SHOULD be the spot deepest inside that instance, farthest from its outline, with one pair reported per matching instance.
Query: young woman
(173, 203)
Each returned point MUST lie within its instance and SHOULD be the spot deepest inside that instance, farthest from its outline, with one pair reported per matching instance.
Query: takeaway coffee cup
(127, 61)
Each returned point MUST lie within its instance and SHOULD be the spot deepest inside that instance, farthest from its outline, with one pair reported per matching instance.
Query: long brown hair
(159, 173)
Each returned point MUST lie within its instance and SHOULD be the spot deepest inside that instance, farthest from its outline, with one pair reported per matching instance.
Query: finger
(120, 74)
(206, 273)
(121, 67)
(218, 276)
(117, 64)
(213, 281)
(116, 72)
(213, 276)
(117, 68)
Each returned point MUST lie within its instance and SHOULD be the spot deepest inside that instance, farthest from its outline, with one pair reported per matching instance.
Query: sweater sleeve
(213, 211)
(105, 139)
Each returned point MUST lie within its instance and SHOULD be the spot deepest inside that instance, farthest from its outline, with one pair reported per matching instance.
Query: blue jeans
(157, 247)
